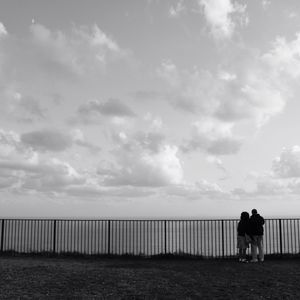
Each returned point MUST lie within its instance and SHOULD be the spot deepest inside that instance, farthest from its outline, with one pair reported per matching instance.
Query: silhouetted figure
(257, 231)
(243, 231)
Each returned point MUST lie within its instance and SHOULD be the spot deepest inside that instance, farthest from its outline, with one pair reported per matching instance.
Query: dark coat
(243, 227)
(256, 223)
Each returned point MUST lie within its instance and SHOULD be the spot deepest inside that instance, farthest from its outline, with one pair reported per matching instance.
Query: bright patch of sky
(149, 108)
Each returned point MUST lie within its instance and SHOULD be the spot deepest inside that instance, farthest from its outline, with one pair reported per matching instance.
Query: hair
(244, 215)
(254, 211)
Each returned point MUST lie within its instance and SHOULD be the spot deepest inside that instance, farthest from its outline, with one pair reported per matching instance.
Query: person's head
(244, 215)
(254, 211)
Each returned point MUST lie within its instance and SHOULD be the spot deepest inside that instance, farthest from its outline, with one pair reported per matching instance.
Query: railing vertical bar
(177, 235)
(280, 236)
(129, 236)
(102, 240)
(2, 235)
(190, 238)
(108, 237)
(147, 237)
(294, 236)
(44, 234)
(23, 235)
(10, 230)
(54, 237)
(99, 234)
(198, 238)
(165, 236)
(152, 237)
(6, 235)
(298, 238)
(291, 235)
(223, 241)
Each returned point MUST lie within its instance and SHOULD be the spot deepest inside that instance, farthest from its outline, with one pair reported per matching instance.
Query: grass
(156, 278)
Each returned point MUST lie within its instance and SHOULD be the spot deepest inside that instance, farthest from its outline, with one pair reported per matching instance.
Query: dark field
(130, 278)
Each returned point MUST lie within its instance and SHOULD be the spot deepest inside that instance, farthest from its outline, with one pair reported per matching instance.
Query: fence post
(165, 236)
(223, 241)
(54, 236)
(2, 236)
(108, 238)
(280, 237)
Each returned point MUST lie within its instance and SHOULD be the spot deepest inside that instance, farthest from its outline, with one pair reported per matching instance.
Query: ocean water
(208, 238)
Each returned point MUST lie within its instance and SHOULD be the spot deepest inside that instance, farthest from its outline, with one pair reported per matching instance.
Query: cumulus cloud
(138, 168)
(217, 162)
(255, 89)
(23, 108)
(142, 159)
(214, 137)
(285, 56)
(80, 140)
(23, 169)
(265, 4)
(177, 9)
(223, 16)
(3, 31)
(94, 109)
(49, 54)
(79, 51)
(287, 165)
(283, 180)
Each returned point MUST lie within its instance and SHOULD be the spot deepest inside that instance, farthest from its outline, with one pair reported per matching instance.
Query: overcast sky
(140, 109)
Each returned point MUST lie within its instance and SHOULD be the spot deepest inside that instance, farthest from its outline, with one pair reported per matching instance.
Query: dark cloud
(47, 140)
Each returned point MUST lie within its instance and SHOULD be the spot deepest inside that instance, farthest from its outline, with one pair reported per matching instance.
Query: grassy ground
(119, 278)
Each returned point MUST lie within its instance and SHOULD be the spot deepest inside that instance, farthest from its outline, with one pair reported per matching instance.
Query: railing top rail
(139, 220)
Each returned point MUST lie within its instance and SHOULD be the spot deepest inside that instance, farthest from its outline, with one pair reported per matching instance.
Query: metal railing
(207, 238)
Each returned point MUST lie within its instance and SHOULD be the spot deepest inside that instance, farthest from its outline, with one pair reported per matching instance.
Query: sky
(149, 109)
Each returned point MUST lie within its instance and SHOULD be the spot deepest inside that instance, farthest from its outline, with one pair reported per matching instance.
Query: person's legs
(240, 254)
(254, 248)
(244, 254)
(260, 246)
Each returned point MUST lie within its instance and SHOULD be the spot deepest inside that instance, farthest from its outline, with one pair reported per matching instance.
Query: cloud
(23, 108)
(284, 57)
(79, 51)
(56, 141)
(214, 137)
(79, 139)
(195, 191)
(143, 168)
(47, 140)
(50, 176)
(22, 169)
(287, 165)
(176, 10)
(255, 89)
(94, 109)
(142, 158)
(3, 31)
(48, 54)
(217, 162)
(283, 180)
(223, 16)
(265, 4)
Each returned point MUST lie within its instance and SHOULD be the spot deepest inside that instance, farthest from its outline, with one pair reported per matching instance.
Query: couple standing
(250, 230)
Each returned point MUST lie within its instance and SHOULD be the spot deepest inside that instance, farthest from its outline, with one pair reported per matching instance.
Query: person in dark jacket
(256, 226)
(242, 231)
